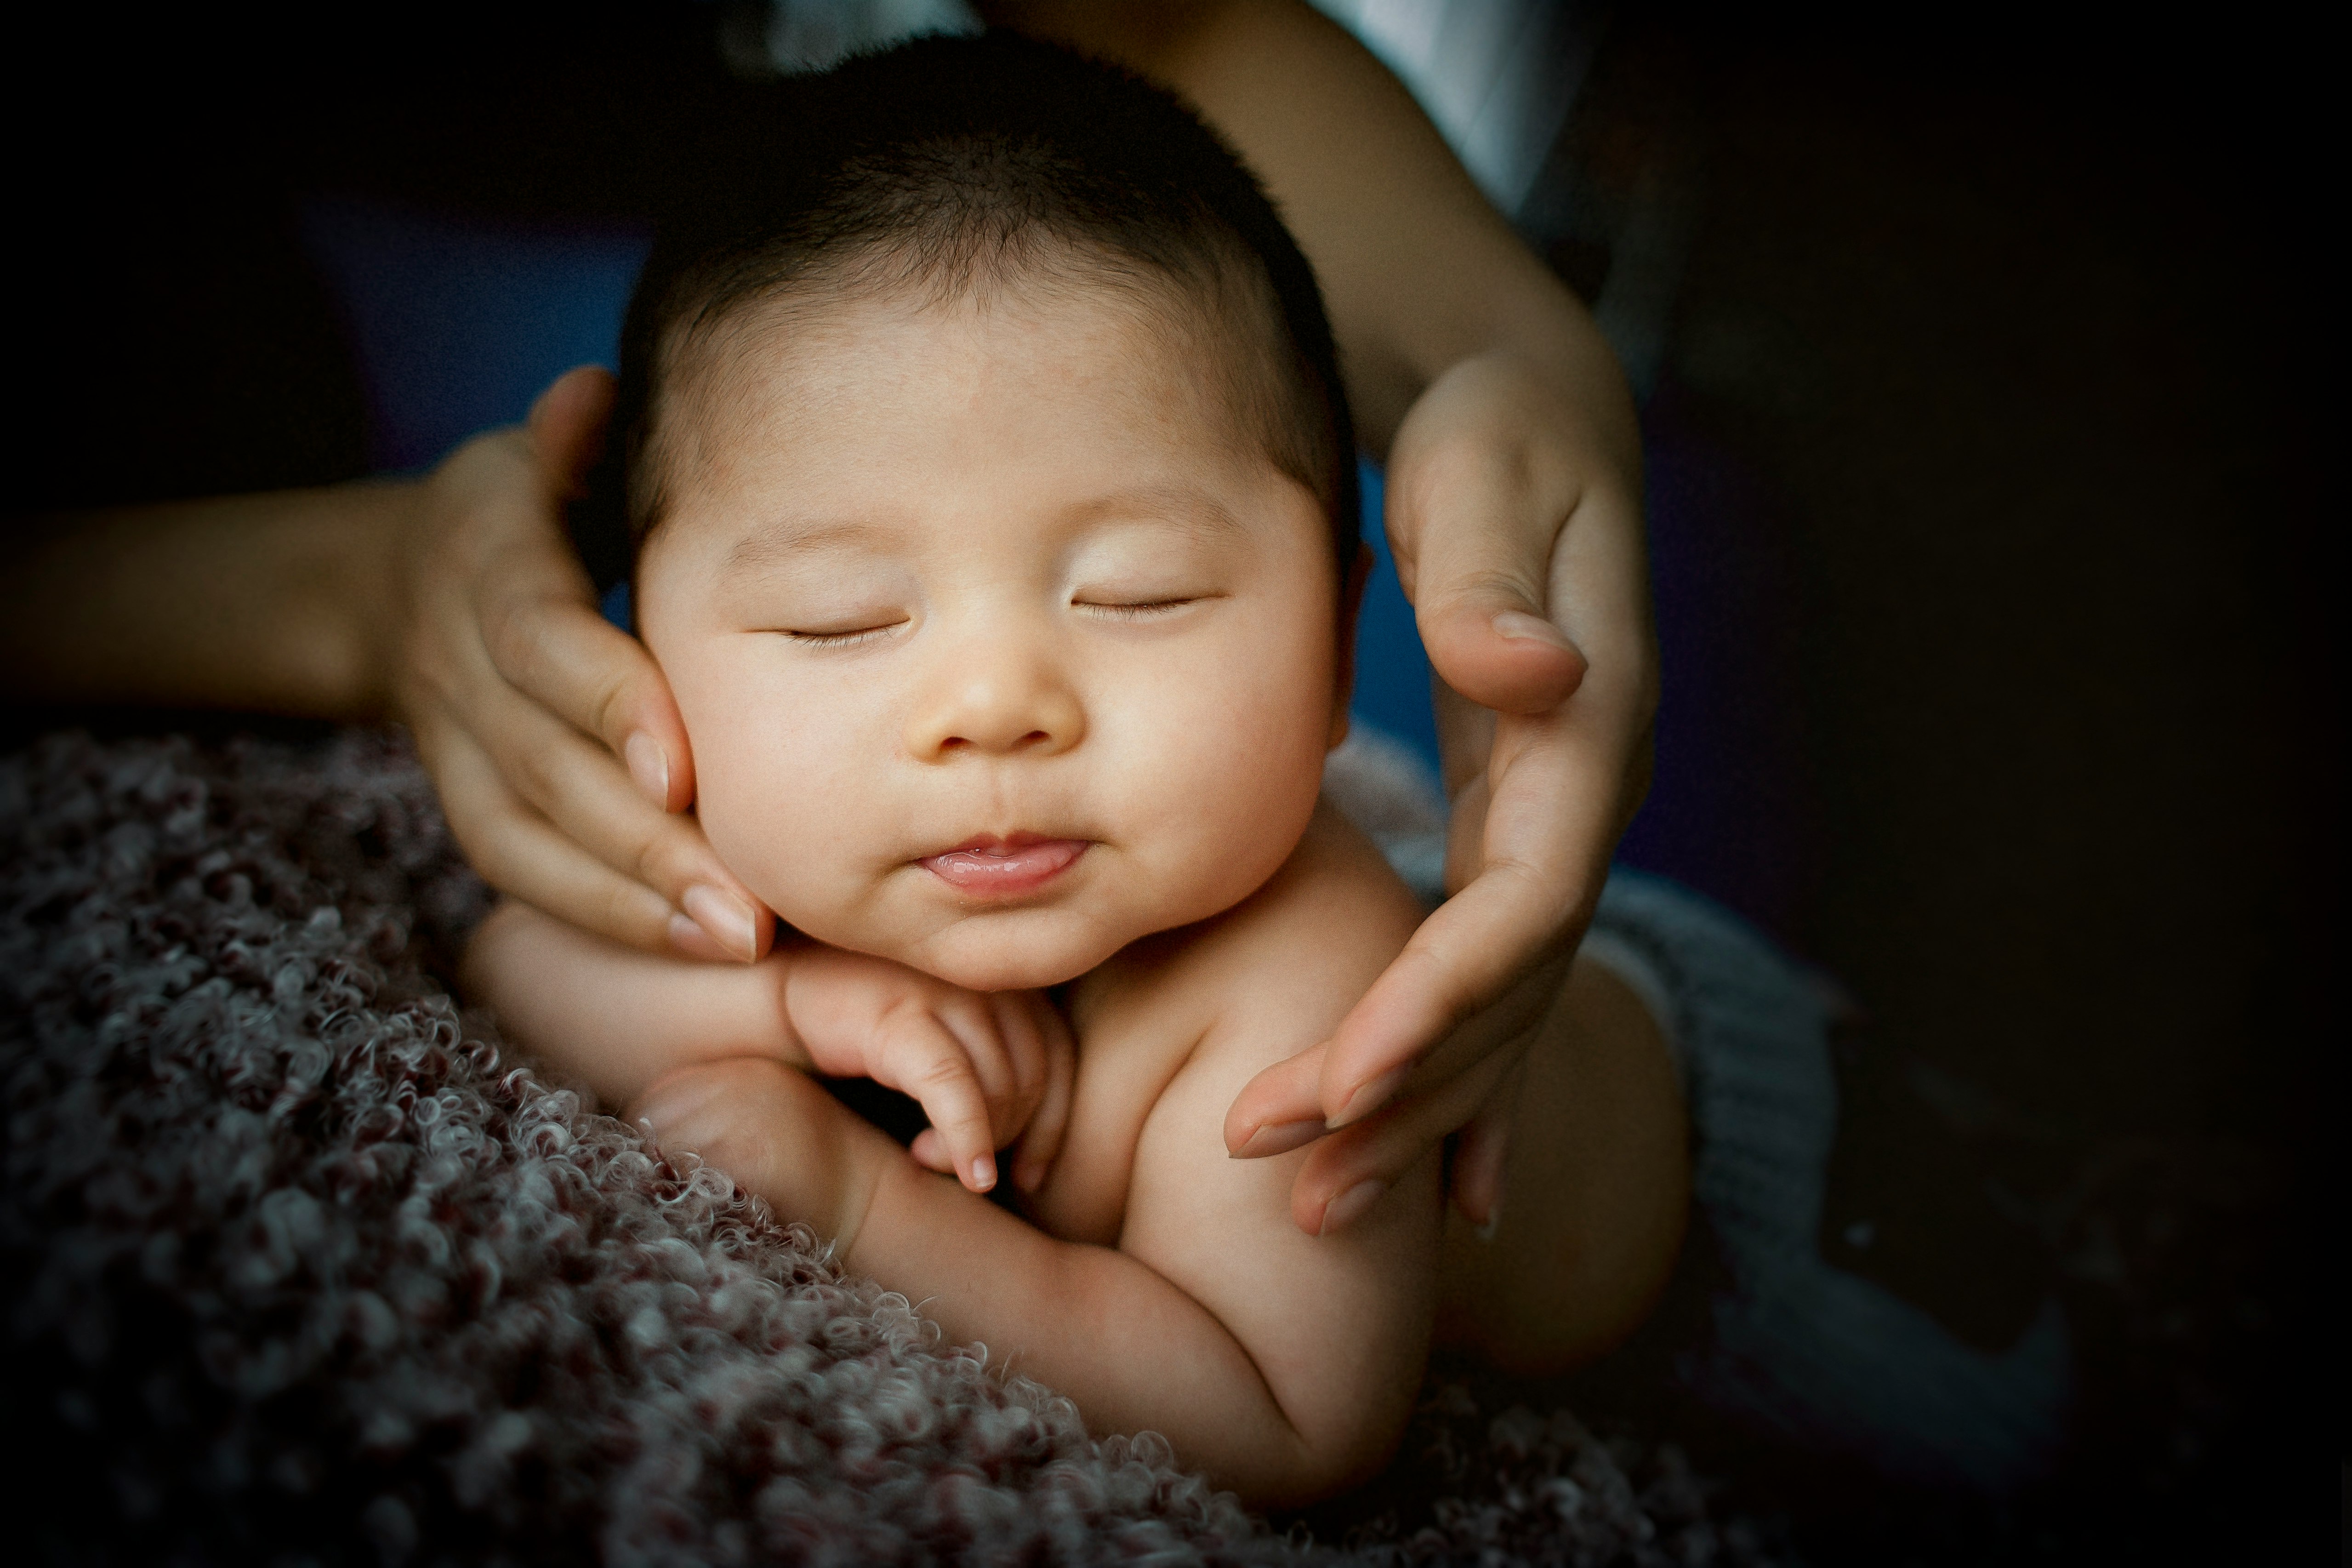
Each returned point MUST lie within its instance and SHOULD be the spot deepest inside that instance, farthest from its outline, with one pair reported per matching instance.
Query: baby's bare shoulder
(1277, 973)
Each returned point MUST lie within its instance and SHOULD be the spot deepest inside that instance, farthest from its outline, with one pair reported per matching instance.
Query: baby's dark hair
(953, 165)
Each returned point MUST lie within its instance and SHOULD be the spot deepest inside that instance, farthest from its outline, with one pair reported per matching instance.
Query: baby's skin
(1010, 661)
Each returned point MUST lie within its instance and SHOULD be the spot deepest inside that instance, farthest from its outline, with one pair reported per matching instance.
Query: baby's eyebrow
(778, 542)
(1195, 511)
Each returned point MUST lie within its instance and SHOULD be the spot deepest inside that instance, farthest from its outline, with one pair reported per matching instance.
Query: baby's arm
(986, 1068)
(1282, 1365)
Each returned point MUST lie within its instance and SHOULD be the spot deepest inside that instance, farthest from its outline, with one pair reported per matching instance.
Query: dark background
(1986, 502)
(2000, 675)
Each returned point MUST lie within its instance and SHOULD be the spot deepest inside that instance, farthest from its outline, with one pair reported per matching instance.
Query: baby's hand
(987, 1068)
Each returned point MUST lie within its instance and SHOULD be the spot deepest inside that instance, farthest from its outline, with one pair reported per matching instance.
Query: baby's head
(991, 490)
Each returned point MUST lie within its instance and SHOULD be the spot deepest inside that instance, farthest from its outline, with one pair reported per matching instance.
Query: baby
(990, 487)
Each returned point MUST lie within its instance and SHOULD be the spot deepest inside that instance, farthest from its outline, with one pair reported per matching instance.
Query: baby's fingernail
(1351, 1206)
(649, 767)
(726, 918)
(1520, 626)
(1368, 1099)
(983, 1173)
(1278, 1138)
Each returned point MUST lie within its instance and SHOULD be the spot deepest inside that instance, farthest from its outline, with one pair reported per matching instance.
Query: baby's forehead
(801, 337)
(797, 359)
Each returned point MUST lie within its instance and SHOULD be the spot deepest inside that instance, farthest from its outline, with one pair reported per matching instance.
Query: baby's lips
(1004, 866)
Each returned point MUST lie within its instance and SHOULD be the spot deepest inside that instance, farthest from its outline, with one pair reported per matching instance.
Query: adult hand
(1516, 530)
(559, 757)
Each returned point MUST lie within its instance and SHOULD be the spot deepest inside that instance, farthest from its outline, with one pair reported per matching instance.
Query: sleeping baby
(991, 494)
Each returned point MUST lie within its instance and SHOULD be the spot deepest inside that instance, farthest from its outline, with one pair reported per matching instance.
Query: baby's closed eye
(1112, 607)
(854, 631)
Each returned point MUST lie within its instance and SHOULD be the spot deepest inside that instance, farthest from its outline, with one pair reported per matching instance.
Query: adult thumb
(1491, 643)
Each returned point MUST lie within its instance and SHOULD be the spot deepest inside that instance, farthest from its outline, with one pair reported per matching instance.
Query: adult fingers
(549, 642)
(568, 423)
(1346, 1173)
(1420, 1018)
(1547, 810)
(562, 654)
(918, 1055)
(516, 849)
(1041, 1141)
(1279, 1109)
(1483, 478)
(574, 786)
(1482, 1148)
(1517, 618)
(1463, 958)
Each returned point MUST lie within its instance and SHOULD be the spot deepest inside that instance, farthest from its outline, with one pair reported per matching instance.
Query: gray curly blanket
(299, 1266)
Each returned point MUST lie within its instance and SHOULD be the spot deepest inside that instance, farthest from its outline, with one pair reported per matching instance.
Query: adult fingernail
(1278, 1138)
(1351, 1206)
(1493, 1220)
(695, 942)
(1520, 626)
(1368, 1099)
(727, 918)
(983, 1173)
(649, 767)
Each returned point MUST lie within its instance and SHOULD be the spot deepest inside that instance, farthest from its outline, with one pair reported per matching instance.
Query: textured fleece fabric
(297, 1266)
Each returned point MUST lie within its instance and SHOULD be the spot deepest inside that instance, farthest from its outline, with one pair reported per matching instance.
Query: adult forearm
(1132, 1349)
(257, 601)
(1420, 271)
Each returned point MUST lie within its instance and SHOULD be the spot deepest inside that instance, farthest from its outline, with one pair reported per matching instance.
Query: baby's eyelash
(857, 638)
(1137, 612)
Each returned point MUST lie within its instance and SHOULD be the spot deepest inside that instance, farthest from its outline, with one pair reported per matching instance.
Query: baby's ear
(1343, 668)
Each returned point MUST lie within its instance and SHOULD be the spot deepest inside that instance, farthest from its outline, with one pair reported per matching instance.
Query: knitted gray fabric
(295, 1268)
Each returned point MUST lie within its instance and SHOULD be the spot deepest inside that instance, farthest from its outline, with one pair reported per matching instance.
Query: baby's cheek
(755, 803)
(766, 829)
(1232, 785)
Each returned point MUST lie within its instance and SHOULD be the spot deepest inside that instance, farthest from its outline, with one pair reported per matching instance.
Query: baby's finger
(1024, 1051)
(930, 1152)
(1041, 1143)
(972, 1017)
(917, 1055)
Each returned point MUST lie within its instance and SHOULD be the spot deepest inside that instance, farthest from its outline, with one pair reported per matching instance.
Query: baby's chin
(1008, 950)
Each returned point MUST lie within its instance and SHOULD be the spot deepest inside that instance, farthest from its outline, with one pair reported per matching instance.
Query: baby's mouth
(992, 866)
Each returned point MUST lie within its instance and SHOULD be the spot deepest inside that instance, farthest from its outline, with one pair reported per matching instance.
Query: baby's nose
(1002, 703)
